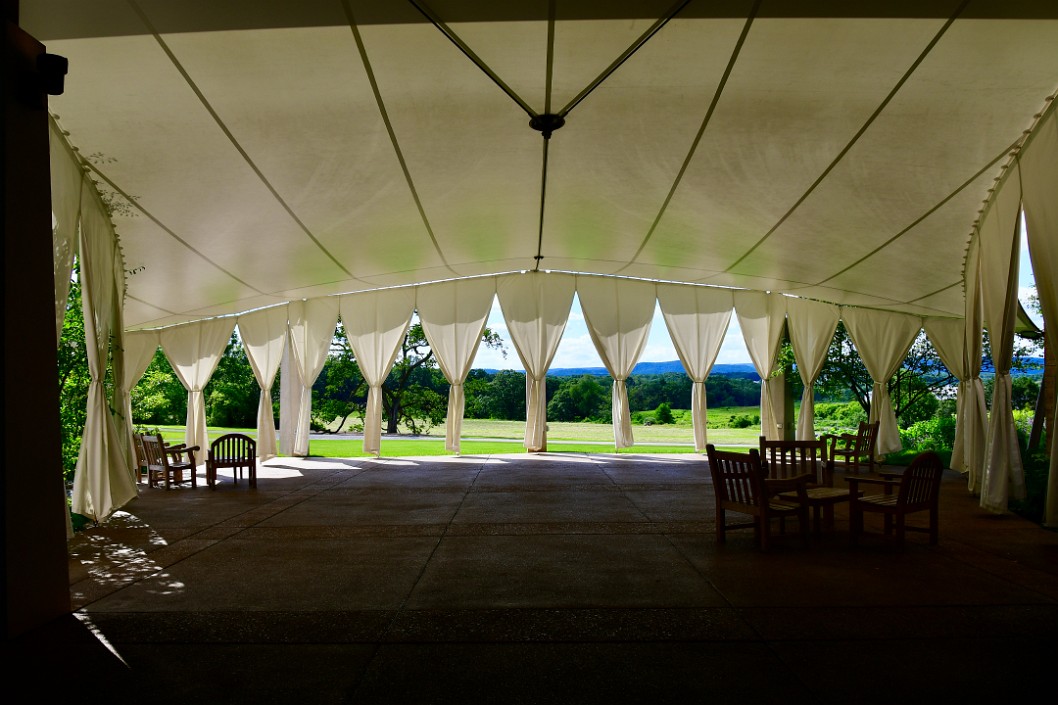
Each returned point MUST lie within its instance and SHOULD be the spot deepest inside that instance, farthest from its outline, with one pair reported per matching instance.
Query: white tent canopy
(257, 153)
(262, 152)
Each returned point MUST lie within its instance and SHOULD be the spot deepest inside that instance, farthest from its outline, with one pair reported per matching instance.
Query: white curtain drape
(697, 319)
(1039, 168)
(66, 191)
(811, 325)
(264, 337)
(66, 177)
(140, 347)
(311, 324)
(762, 317)
(973, 413)
(536, 308)
(618, 313)
(290, 393)
(453, 316)
(1003, 476)
(102, 482)
(949, 337)
(193, 350)
(882, 339)
(375, 323)
(121, 420)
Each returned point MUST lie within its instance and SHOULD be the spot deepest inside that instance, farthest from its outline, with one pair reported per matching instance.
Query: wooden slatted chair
(142, 470)
(235, 451)
(740, 486)
(169, 463)
(787, 459)
(855, 447)
(918, 490)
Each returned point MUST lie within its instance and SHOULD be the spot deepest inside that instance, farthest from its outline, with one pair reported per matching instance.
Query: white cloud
(576, 351)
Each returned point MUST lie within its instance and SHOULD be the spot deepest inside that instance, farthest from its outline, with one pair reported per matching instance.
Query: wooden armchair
(233, 450)
(169, 463)
(787, 459)
(918, 490)
(855, 447)
(740, 486)
(142, 470)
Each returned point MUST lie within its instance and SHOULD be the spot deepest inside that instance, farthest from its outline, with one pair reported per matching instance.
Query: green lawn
(603, 433)
(399, 447)
(486, 436)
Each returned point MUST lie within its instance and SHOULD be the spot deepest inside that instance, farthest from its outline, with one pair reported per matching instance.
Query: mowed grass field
(490, 436)
(657, 434)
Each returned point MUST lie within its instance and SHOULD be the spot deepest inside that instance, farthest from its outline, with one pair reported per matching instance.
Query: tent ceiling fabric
(258, 152)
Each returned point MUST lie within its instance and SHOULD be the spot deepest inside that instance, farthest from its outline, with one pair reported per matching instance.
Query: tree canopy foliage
(415, 394)
(73, 378)
(914, 388)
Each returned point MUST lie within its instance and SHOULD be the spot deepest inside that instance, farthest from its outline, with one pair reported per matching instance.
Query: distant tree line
(415, 396)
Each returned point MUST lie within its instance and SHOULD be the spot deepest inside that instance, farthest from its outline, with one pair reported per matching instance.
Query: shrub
(1023, 424)
(741, 421)
(937, 433)
(838, 418)
(663, 414)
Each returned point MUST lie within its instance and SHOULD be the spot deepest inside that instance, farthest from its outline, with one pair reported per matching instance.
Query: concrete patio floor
(562, 578)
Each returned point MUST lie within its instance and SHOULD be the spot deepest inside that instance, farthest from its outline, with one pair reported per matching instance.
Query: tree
(579, 399)
(504, 397)
(404, 394)
(159, 398)
(74, 377)
(340, 391)
(647, 391)
(414, 393)
(913, 389)
(1023, 393)
(232, 393)
(476, 390)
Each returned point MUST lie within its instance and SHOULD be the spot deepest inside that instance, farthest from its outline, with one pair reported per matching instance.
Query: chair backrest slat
(867, 436)
(736, 476)
(154, 451)
(786, 459)
(233, 446)
(920, 483)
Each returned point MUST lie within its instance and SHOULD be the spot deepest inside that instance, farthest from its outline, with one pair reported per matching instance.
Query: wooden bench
(233, 450)
(168, 463)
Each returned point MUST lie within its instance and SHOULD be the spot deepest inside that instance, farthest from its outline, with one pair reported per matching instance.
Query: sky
(577, 350)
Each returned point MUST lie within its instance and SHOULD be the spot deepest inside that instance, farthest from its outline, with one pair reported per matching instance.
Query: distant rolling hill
(655, 368)
(1033, 368)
